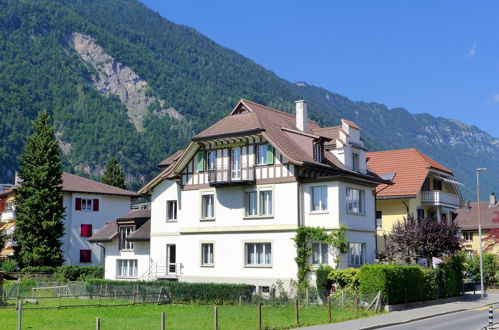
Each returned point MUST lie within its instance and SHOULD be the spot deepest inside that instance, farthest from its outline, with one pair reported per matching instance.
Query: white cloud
(472, 50)
(495, 98)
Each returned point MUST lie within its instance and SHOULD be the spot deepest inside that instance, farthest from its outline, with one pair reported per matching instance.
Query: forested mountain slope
(184, 82)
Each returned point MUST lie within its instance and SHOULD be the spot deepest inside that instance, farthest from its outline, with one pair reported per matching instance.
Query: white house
(88, 204)
(226, 208)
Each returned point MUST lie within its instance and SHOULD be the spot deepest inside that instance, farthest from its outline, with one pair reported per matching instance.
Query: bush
(490, 268)
(183, 292)
(9, 266)
(78, 273)
(39, 269)
(398, 284)
(450, 276)
(345, 277)
(323, 282)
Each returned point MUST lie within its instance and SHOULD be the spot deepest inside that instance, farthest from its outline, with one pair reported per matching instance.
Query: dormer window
(318, 152)
(355, 162)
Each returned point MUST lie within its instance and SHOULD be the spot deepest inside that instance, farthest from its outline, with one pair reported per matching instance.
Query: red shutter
(85, 255)
(78, 204)
(2, 205)
(86, 230)
(96, 205)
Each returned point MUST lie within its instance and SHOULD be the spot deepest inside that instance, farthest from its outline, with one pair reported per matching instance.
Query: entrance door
(171, 259)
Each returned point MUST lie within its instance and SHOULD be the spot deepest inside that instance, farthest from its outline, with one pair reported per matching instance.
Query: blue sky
(438, 57)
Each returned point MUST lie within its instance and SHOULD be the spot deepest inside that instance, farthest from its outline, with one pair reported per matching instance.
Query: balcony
(8, 215)
(240, 176)
(439, 198)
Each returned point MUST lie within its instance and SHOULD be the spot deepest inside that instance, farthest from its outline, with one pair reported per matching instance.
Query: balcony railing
(439, 198)
(8, 215)
(245, 175)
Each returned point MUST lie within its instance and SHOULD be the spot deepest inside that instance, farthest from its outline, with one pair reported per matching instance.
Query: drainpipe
(103, 257)
(299, 203)
(375, 225)
(406, 206)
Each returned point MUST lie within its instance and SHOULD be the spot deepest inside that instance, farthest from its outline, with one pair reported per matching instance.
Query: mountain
(120, 80)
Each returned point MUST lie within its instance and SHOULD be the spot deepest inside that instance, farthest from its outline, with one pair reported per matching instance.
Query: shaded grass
(177, 317)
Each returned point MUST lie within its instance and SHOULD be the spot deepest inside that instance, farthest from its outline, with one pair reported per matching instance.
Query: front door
(171, 259)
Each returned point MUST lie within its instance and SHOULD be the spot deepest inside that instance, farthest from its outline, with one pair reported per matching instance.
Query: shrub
(183, 292)
(490, 268)
(398, 284)
(78, 273)
(9, 266)
(39, 269)
(323, 282)
(345, 277)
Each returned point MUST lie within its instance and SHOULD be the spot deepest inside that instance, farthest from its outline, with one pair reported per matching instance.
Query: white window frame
(260, 206)
(251, 210)
(207, 216)
(379, 220)
(261, 154)
(123, 243)
(10, 206)
(323, 251)
(355, 162)
(87, 204)
(359, 260)
(210, 249)
(361, 201)
(468, 236)
(127, 268)
(211, 164)
(321, 209)
(173, 217)
(254, 246)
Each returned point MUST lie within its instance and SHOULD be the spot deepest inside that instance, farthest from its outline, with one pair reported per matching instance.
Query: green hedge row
(69, 273)
(187, 293)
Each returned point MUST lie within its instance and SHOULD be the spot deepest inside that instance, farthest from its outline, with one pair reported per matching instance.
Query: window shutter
(86, 230)
(200, 161)
(96, 204)
(2, 205)
(85, 255)
(270, 154)
(78, 204)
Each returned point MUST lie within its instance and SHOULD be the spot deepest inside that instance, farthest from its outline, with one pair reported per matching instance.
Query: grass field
(177, 317)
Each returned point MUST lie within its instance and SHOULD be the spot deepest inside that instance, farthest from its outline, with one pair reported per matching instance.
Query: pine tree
(40, 209)
(113, 175)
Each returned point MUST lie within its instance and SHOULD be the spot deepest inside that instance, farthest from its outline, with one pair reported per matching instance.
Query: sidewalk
(401, 317)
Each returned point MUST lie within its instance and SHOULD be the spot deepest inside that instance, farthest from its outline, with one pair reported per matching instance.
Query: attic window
(318, 152)
(241, 110)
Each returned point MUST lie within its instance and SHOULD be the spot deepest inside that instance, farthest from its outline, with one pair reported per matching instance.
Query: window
(207, 206)
(426, 185)
(261, 154)
(86, 204)
(264, 289)
(212, 159)
(171, 210)
(125, 231)
(258, 254)
(266, 202)
(207, 254)
(356, 254)
(379, 220)
(200, 161)
(319, 253)
(251, 204)
(318, 152)
(86, 230)
(85, 255)
(437, 184)
(355, 201)
(420, 214)
(355, 162)
(127, 267)
(468, 236)
(235, 161)
(319, 198)
(10, 206)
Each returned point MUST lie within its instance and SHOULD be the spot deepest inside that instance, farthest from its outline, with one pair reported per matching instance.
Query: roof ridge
(275, 110)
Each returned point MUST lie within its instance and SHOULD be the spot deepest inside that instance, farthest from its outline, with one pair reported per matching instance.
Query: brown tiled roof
(110, 231)
(410, 166)
(351, 123)
(74, 183)
(7, 192)
(467, 217)
(170, 160)
(143, 233)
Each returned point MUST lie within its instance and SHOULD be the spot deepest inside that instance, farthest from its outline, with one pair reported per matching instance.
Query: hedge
(69, 273)
(187, 293)
(323, 282)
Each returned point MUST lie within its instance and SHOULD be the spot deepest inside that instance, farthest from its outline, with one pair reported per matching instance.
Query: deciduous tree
(39, 203)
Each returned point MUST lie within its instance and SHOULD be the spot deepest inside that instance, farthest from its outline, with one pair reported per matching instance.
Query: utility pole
(478, 170)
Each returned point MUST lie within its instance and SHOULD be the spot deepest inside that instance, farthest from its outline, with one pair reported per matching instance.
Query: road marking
(484, 308)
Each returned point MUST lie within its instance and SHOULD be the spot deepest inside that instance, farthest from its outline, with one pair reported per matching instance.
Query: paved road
(468, 320)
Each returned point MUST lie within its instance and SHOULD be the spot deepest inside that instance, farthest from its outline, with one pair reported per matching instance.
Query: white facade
(139, 254)
(110, 207)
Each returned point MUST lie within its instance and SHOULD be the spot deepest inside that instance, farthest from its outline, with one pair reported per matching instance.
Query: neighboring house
(7, 221)
(226, 208)
(467, 219)
(125, 242)
(421, 188)
(88, 206)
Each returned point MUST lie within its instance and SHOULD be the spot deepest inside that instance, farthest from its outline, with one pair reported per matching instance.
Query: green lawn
(177, 317)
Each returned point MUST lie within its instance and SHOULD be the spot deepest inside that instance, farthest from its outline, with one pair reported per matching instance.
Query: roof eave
(223, 135)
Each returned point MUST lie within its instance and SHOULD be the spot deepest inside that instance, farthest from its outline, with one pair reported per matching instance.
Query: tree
(40, 209)
(490, 268)
(113, 175)
(492, 238)
(424, 238)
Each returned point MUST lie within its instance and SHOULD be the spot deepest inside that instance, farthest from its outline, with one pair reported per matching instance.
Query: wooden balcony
(439, 198)
(221, 177)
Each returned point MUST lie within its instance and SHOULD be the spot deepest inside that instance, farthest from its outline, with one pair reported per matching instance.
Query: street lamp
(478, 170)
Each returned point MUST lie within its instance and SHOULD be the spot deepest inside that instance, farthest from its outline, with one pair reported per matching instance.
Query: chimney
(17, 179)
(493, 200)
(301, 115)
